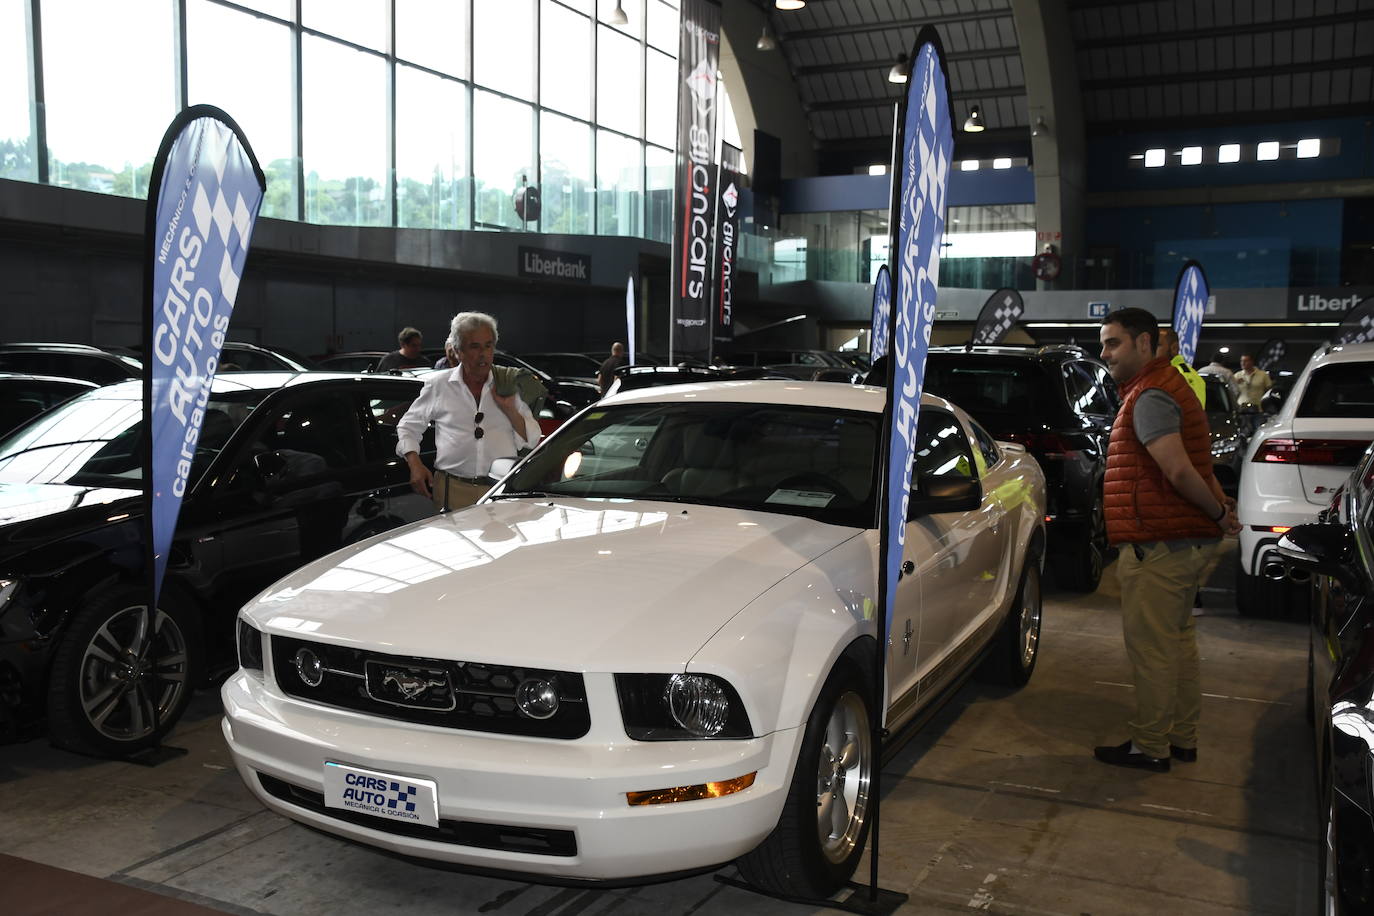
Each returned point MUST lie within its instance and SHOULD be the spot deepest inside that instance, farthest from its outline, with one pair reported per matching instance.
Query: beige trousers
(461, 494)
(1161, 642)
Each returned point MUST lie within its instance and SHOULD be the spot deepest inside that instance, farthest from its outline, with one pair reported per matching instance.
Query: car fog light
(537, 698)
(309, 668)
(698, 704)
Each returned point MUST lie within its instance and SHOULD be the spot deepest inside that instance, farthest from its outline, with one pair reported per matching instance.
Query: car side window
(942, 450)
(385, 410)
(986, 444)
(1085, 396)
(303, 441)
(1107, 384)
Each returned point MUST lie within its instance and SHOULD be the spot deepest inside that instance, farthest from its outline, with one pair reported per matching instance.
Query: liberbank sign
(542, 264)
(1329, 304)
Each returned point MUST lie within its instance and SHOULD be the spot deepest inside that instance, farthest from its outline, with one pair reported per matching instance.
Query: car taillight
(1337, 452)
(1053, 445)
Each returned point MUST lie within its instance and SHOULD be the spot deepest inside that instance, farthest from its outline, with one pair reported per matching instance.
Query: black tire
(100, 687)
(1311, 712)
(1080, 570)
(1015, 649)
(795, 860)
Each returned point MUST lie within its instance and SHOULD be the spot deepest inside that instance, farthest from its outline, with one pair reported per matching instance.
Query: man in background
(1217, 367)
(408, 356)
(606, 374)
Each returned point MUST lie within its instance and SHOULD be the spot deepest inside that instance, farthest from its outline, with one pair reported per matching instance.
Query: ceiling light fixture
(974, 124)
(618, 16)
(766, 40)
(789, 4)
(900, 70)
(1039, 127)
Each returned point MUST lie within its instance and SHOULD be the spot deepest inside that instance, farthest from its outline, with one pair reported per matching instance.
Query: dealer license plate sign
(397, 798)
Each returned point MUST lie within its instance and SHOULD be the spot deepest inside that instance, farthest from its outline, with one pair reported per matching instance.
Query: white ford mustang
(650, 649)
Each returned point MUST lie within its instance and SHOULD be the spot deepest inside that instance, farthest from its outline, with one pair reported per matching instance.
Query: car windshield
(805, 461)
(1340, 390)
(94, 440)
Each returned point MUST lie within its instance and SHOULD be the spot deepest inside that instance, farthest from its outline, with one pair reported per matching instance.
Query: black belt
(474, 481)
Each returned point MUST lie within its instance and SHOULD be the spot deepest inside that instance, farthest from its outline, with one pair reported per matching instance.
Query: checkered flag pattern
(403, 796)
(1358, 324)
(1271, 353)
(999, 315)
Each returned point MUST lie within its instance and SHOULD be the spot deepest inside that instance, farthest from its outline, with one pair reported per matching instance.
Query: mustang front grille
(431, 691)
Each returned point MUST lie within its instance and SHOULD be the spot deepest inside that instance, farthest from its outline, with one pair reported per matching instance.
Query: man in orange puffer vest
(1166, 511)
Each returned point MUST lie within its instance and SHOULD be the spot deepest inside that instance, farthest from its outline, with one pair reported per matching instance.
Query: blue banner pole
(925, 142)
(203, 199)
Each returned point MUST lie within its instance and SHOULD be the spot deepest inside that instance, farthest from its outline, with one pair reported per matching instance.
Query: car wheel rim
(1030, 618)
(1329, 878)
(123, 673)
(845, 764)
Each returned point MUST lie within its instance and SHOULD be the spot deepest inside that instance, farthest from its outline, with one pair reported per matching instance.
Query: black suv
(68, 360)
(288, 468)
(1059, 403)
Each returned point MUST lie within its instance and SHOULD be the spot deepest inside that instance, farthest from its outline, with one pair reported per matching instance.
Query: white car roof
(770, 391)
(1342, 353)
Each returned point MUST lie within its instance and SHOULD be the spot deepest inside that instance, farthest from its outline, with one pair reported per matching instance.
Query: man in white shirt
(1253, 382)
(1217, 367)
(473, 425)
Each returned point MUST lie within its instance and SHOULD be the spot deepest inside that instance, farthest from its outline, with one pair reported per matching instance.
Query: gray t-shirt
(1156, 414)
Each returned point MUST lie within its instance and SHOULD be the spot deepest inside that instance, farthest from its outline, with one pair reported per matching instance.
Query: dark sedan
(288, 468)
(1337, 551)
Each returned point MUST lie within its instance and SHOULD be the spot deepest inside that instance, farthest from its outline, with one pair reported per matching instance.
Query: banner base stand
(859, 900)
(155, 756)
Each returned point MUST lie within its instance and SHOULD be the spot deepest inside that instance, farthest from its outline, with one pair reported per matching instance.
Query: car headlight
(680, 707)
(250, 646)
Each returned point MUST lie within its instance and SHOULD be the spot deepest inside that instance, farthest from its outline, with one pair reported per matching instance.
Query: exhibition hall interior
(686, 457)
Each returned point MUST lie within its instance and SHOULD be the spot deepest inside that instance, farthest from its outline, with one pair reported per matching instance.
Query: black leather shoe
(1121, 756)
(1183, 754)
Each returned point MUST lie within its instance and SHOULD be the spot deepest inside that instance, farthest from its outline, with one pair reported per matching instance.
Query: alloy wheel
(843, 773)
(1029, 632)
(124, 672)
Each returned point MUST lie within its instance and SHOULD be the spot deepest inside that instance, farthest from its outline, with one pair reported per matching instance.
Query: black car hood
(32, 515)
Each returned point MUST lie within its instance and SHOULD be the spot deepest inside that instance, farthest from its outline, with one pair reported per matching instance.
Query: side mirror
(944, 494)
(500, 468)
(1322, 549)
(1271, 401)
(269, 465)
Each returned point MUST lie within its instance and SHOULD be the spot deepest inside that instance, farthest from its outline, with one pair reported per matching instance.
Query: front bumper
(529, 786)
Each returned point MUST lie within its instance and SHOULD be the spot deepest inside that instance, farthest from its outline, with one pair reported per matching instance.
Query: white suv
(1294, 465)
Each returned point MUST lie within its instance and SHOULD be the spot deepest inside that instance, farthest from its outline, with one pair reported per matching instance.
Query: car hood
(576, 585)
(36, 514)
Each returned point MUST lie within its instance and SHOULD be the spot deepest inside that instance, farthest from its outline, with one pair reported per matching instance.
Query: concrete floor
(997, 805)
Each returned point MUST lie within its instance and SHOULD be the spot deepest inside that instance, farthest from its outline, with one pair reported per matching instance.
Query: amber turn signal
(692, 793)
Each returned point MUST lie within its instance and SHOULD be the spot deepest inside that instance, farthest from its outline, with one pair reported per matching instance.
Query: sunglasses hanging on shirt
(477, 423)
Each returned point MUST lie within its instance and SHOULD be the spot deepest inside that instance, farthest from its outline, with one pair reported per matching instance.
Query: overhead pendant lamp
(974, 124)
(900, 70)
(789, 4)
(618, 16)
(766, 40)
